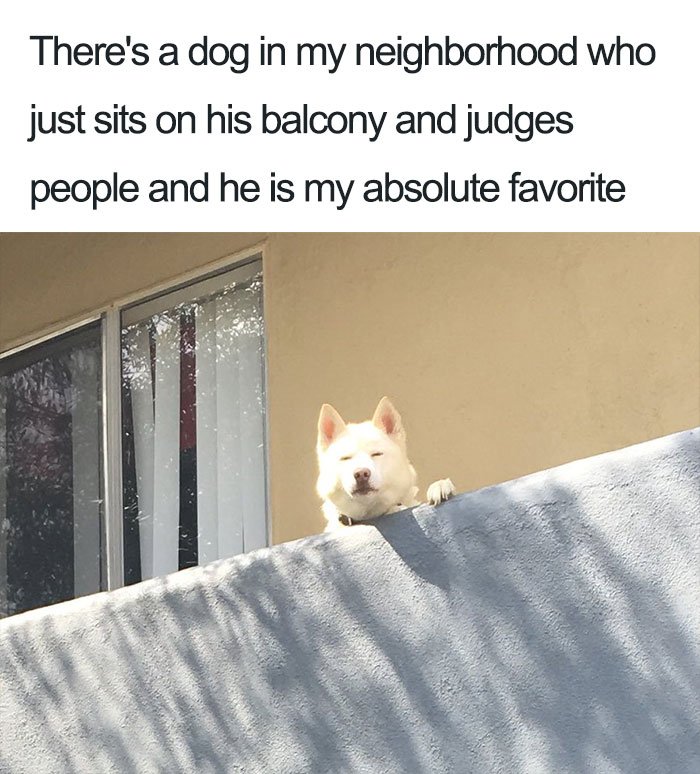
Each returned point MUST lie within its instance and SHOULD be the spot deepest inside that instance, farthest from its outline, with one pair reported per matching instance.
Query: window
(193, 425)
(177, 477)
(51, 531)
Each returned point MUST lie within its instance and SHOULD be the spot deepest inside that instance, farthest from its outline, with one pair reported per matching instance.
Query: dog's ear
(330, 426)
(388, 419)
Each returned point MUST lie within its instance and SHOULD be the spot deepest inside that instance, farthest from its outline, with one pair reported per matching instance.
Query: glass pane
(193, 419)
(50, 478)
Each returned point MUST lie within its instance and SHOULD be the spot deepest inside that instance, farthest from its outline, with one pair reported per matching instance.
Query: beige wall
(505, 353)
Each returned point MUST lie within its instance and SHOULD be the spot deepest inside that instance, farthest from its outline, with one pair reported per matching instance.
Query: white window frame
(112, 318)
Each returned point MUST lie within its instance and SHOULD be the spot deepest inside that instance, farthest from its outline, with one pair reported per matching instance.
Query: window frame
(112, 317)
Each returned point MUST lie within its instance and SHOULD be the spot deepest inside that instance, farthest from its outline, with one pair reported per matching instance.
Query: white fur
(378, 447)
(439, 491)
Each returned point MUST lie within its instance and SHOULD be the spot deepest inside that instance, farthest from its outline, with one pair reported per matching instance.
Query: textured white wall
(549, 624)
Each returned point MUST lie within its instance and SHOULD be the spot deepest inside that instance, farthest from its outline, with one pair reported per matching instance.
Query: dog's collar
(348, 521)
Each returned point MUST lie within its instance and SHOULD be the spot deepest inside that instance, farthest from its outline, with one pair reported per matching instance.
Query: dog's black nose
(362, 475)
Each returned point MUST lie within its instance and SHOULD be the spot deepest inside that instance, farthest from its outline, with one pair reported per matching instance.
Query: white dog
(364, 471)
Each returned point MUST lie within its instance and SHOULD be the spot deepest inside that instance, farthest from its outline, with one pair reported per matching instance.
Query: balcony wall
(548, 624)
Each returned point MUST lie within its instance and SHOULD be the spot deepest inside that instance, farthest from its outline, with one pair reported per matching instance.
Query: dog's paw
(439, 491)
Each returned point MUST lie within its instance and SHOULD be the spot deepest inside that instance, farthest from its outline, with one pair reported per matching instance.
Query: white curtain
(85, 421)
(138, 362)
(230, 424)
(3, 500)
(166, 448)
(230, 454)
(251, 402)
(156, 421)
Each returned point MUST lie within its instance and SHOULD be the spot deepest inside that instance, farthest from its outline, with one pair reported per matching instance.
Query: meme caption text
(462, 121)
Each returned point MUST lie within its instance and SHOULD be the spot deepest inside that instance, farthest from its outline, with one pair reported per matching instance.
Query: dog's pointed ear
(330, 426)
(388, 419)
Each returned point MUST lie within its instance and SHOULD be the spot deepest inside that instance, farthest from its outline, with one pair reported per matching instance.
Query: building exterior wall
(505, 353)
(547, 624)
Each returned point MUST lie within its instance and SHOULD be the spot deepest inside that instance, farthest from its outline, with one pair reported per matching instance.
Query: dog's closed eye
(345, 459)
(377, 454)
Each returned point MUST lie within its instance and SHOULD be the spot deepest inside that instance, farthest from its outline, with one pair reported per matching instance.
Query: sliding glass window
(51, 505)
(193, 418)
(134, 446)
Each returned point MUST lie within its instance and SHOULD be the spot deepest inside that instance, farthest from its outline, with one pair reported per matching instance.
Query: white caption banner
(346, 144)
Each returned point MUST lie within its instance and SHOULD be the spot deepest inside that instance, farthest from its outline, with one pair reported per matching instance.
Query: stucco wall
(549, 624)
(506, 353)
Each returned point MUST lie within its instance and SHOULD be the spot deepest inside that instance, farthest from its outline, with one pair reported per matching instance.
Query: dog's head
(363, 468)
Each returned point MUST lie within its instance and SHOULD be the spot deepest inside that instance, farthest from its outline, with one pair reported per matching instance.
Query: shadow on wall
(531, 626)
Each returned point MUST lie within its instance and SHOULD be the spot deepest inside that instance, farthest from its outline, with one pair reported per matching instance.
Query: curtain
(3, 500)
(153, 368)
(194, 376)
(85, 425)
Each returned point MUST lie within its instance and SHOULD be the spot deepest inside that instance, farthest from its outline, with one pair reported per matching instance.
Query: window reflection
(50, 487)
